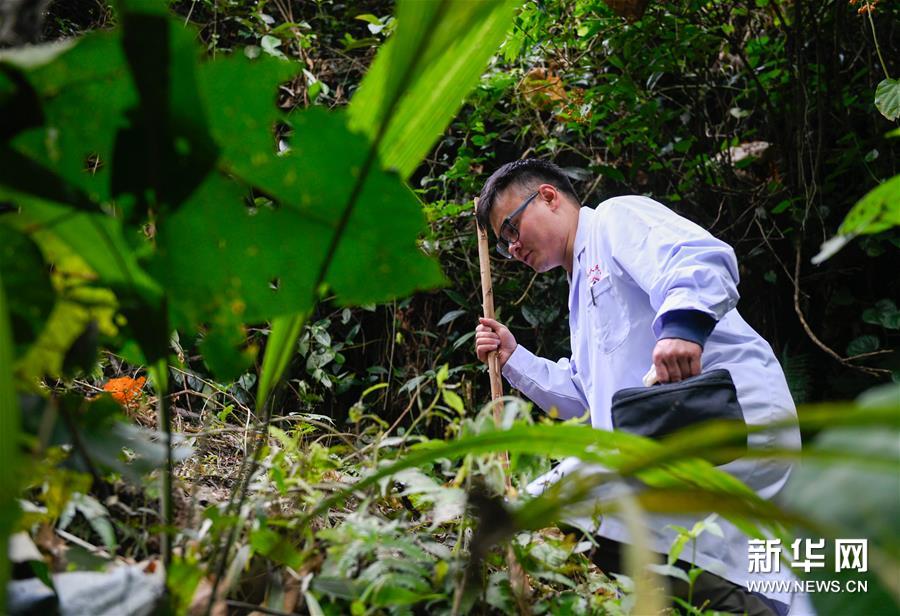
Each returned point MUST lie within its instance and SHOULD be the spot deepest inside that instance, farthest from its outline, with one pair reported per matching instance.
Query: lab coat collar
(582, 233)
(585, 218)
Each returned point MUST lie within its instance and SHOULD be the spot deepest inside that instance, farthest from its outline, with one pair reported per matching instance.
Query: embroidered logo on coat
(594, 274)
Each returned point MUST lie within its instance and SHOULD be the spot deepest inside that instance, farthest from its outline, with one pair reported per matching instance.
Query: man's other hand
(490, 335)
(676, 359)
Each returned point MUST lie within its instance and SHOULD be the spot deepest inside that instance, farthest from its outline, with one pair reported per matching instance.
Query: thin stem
(875, 40)
(159, 372)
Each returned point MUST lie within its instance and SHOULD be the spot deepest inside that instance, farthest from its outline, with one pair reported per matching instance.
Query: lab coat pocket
(610, 315)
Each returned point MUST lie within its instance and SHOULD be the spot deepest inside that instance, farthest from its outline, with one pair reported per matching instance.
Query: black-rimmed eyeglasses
(509, 233)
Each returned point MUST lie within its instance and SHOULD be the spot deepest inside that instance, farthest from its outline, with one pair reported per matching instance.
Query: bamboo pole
(518, 581)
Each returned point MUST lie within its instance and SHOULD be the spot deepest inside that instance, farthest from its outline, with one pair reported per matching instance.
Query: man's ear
(549, 194)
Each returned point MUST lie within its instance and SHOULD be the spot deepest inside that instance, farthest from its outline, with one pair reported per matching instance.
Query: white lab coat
(633, 261)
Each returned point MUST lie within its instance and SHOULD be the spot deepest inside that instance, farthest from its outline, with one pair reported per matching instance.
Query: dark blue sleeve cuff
(690, 325)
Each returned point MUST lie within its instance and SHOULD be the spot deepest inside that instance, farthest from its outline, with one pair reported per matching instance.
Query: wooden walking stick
(487, 302)
(518, 581)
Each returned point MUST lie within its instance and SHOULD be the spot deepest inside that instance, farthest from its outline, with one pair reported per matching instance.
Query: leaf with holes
(91, 74)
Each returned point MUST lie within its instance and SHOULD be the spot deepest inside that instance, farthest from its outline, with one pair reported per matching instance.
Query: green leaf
(369, 18)
(242, 121)
(166, 150)
(887, 98)
(377, 257)
(452, 399)
(782, 206)
(81, 309)
(270, 45)
(877, 211)
(884, 313)
(97, 516)
(89, 250)
(182, 579)
(442, 375)
(279, 350)
(863, 344)
(9, 439)
(96, 238)
(450, 317)
(390, 595)
(618, 450)
(26, 281)
(671, 570)
(677, 547)
(421, 75)
(223, 263)
(223, 348)
(272, 545)
(91, 74)
(869, 507)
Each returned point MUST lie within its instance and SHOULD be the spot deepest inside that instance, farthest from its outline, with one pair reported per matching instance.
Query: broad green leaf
(166, 150)
(239, 95)
(421, 76)
(26, 281)
(887, 98)
(97, 239)
(377, 258)
(20, 108)
(877, 211)
(223, 348)
(82, 309)
(224, 263)
(92, 74)
(94, 248)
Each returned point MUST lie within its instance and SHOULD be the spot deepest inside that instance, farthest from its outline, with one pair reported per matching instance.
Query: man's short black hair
(526, 173)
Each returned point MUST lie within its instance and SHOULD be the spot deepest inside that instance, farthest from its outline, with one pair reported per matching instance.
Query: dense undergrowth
(162, 267)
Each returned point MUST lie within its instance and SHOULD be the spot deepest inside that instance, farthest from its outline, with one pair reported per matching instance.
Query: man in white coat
(646, 286)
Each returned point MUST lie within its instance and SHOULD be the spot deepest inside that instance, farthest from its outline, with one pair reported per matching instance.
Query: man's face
(533, 228)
